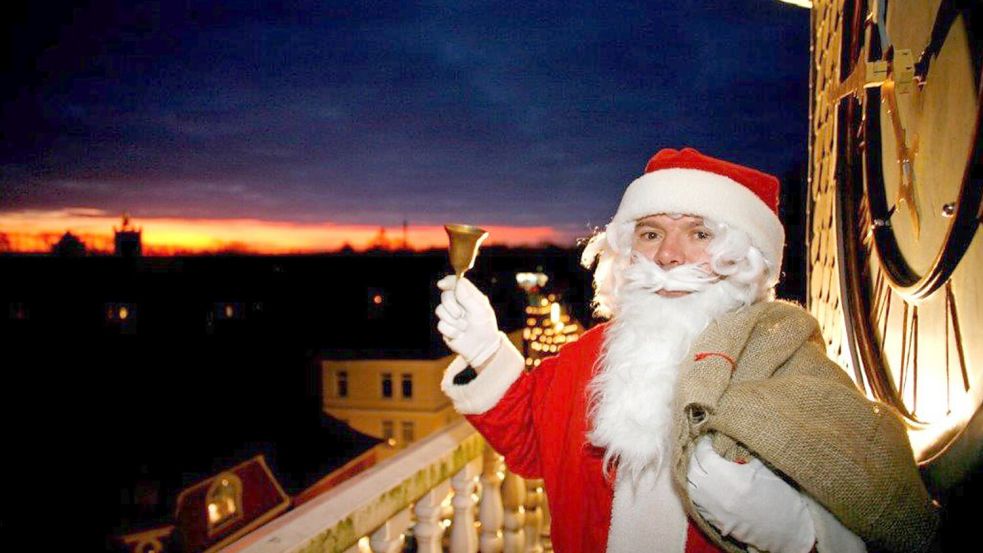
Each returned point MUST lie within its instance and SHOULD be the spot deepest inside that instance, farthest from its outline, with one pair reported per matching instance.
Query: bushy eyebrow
(647, 224)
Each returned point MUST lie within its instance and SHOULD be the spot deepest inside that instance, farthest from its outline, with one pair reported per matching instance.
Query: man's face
(673, 241)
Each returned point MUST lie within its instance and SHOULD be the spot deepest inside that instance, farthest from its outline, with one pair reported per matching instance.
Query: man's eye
(703, 235)
(649, 235)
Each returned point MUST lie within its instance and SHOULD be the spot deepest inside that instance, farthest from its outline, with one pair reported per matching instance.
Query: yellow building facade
(397, 400)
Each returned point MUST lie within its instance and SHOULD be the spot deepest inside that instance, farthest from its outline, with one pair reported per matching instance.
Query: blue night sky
(507, 113)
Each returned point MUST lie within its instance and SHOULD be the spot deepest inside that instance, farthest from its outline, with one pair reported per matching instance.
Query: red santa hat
(690, 183)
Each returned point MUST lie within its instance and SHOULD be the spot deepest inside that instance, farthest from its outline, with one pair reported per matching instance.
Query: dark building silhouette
(128, 239)
(69, 246)
(139, 377)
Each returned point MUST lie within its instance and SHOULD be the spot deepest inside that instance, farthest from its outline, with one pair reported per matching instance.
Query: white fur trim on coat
(482, 393)
(647, 515)
(706, 194)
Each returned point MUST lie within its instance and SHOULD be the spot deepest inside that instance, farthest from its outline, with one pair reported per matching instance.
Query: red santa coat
(540, 426)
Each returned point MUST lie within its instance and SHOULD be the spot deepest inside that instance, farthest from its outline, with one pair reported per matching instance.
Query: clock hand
(894, 75)
(904, 155)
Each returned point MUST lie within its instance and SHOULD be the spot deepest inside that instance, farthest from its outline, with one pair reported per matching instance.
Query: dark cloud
(504, 112)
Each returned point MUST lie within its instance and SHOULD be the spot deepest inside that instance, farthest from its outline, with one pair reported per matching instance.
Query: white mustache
(644, 274)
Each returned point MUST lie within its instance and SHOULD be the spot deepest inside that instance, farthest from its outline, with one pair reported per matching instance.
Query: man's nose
(670, 254)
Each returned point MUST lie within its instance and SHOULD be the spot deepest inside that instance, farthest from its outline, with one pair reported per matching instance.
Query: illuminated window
(223, 502)
(229, 311)
(122, 317)
(407, 385)
(151, 546)
(120, 312)
(387, 385)
(376, 303)
(407, 432)
(342, 382)
(387, 430)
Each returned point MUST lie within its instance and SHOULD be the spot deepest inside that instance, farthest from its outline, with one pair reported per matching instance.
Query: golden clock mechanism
(896, 180)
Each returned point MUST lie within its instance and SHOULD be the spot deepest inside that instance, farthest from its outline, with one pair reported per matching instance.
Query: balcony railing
(432, 488)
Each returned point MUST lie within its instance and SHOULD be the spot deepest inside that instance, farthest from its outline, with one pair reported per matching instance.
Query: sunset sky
(302, 126)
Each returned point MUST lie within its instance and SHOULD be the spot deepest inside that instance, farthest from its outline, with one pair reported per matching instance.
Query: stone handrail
(373, 510)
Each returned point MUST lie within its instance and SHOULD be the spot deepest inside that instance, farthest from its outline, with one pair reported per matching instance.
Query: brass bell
(463, 248)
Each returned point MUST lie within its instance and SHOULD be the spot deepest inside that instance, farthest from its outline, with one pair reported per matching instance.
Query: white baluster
(389, 537)
(544, 511)
(534, 516)
(490, 511)
(428, 530)
(464, 537)
(513, 497)
(361, 546)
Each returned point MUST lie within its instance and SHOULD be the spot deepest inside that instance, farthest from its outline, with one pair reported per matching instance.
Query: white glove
(749, 502)
(467, 321)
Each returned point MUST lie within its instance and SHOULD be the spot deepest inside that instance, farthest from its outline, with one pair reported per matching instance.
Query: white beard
(630, 398)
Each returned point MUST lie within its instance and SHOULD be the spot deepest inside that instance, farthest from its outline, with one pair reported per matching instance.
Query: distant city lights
(548, 326)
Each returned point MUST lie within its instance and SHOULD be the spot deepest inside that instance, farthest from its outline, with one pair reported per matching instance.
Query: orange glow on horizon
(38, 230)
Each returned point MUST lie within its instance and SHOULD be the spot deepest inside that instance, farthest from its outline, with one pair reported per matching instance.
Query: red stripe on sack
(704, 354)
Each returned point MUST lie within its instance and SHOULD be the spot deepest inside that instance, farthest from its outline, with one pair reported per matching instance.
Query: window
(407, 385)
(120, 312)
(224, 501)
(387, 385)
(122, 317)
(341, 380)
(151, 545)
(407, 432)
(229, 311)
(387, 430)
(376, 300)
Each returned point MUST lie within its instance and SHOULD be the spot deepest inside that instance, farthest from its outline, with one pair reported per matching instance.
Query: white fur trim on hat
(709, 195)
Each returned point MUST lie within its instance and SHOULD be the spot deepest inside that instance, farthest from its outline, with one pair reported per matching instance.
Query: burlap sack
(786, 403)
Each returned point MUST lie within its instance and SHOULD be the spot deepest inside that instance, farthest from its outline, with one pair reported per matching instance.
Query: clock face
(908, 208)
(925, 122)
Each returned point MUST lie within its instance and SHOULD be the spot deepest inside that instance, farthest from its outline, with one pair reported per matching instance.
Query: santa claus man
(704, 416)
